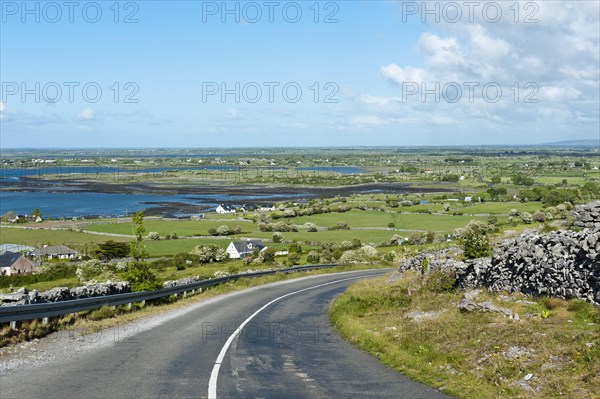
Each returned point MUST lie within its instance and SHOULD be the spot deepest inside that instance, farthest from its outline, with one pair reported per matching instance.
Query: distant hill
(573, 143)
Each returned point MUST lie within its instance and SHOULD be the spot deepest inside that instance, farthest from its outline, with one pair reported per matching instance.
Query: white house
(224, 209)
(55, 252)
(266, 208)
(240, 249)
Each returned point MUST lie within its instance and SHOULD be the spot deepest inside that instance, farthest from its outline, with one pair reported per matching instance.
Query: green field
(164, 227)
(45, 236)
(403, 221)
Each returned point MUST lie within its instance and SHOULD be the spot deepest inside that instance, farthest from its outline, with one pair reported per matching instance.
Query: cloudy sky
(305, 73)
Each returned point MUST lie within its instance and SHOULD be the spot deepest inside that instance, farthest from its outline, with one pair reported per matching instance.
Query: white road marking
(214, 375)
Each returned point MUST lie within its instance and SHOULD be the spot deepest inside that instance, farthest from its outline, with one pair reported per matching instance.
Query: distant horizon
(575, 143)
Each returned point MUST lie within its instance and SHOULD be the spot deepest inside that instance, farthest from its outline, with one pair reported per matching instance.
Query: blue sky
(366, 64)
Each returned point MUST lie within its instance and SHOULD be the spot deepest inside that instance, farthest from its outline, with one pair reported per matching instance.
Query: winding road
(272, 341)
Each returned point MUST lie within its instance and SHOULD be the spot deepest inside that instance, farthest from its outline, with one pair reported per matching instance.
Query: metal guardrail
(46, 310)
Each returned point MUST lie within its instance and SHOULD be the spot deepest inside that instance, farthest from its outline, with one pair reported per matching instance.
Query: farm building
(15, 263)
(224, 209)
(240, 249)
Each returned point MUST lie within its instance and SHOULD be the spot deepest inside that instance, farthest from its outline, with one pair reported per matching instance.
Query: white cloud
(86, 114)
(400, 75)
(559, 94)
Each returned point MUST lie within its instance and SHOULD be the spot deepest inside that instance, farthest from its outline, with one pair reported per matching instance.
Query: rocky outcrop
(587, 215)
(564, 264)
(428, 262)
(25, 297)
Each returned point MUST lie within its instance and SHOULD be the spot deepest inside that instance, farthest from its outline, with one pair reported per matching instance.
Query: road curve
(272, 341)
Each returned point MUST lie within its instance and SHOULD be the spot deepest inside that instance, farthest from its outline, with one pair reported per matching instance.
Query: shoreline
(263, 194)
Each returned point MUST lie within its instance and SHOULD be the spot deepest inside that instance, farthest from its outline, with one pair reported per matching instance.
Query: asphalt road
(286, 350)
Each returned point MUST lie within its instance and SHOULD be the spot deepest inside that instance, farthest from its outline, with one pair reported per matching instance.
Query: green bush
(476, 245)
(141, 278)
(439, 281)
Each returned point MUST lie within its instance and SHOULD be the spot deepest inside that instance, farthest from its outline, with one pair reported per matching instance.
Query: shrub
(295, 247)
(209, 253)
(293, 259)
(153, 235)
(277, 237)
(141, 278)
(417, 239)
(111, 249)
(439, 281)
(212, 231)
(391, 225)
(93, 270)
(527, 218)
(283, 227)
(265, 226)
(539, 216)
(312, 257)
(364, 254)
(346, 245)
(310, 227)
(174, 235)
(476, 245)
(267, 255)
(224, 230)
(340, 226)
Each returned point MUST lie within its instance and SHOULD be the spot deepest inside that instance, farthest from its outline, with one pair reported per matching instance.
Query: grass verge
(552, 350)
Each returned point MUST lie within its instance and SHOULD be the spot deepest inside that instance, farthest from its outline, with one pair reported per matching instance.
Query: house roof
(247, 246)
(177, 215)
(54, 250)
(8, 258)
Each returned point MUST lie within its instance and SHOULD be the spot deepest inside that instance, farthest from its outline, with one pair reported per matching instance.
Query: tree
(9, 216)
(111, 250)
(138, 249)
(36, 212)
(139, 274)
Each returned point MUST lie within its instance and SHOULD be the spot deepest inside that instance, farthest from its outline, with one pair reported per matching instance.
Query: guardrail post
(129, 306)
(44, 320)
(143, 303)
(193, 292)
(184, 294)
(175, 295)
(13, 325)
